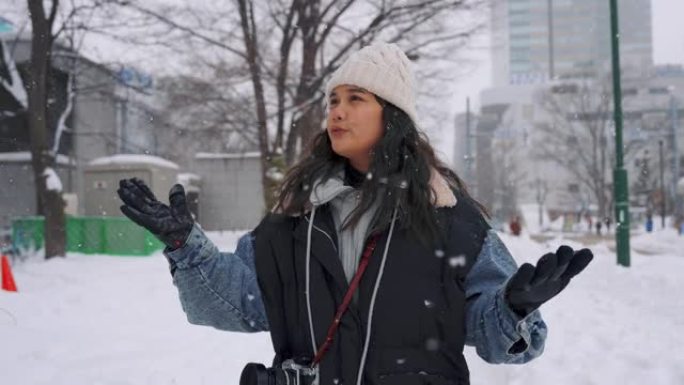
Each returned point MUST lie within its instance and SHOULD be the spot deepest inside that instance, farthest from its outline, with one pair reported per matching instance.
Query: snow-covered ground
(117, 320)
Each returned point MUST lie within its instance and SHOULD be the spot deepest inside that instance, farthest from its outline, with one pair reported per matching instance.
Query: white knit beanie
(382, 69)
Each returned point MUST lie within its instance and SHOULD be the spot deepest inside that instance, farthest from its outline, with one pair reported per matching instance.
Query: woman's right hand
(170, 224)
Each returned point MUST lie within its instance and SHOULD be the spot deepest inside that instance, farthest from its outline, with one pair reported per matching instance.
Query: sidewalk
(637, 242)
(586, 238)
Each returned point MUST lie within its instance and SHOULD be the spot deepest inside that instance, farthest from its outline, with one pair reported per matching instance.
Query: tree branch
(191, 31)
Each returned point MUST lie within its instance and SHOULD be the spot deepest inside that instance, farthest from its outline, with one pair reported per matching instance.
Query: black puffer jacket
(418, 320)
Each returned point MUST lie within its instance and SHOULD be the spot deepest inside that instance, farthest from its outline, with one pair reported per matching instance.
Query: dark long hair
(399, 171)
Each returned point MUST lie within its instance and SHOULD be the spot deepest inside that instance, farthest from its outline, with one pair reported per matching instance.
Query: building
(231, 197)
(536, 41)
(548, 48)
(510, 172)
(111, 111)
(115, 130)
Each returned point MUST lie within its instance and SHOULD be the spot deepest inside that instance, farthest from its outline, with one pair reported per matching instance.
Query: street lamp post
(663, 194)
(619, 173)
(674, 125)
(469, 160)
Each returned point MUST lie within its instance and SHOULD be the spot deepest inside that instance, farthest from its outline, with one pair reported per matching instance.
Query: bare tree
(48, 186)
(506, 151)
(541, 191)
(202, 115)
(290, 47)
(645, 185)
(45, 116)
(578, 135)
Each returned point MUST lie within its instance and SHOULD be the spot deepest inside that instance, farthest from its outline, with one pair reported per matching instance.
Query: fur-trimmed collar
(444, 195)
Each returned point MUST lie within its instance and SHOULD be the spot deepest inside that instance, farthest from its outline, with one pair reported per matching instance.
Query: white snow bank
(662, 241)
(25, 156)
(133, 158)
(187, 178)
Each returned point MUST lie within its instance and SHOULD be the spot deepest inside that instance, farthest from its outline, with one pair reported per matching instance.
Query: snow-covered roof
(25, 156)
(123, 159)
(187, 177)
(219, 155)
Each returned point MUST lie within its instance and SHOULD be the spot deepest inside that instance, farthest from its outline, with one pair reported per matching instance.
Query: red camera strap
(363, 264)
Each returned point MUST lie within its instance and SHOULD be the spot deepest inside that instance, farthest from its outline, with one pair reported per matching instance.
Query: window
(658, 91)
(528, 111)
(564, 89)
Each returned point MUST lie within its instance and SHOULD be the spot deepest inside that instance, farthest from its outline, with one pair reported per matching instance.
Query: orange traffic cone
(7, 278)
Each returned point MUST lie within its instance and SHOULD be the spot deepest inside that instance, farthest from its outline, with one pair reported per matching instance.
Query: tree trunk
(269, 183)
(304, 129)
(308, 121)
(50, 203)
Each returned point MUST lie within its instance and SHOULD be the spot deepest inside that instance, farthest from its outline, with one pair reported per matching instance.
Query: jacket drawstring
(372, 303)
(366, 344)
(308, 280)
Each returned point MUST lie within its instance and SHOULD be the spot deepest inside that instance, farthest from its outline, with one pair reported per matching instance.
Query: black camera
(289, 373)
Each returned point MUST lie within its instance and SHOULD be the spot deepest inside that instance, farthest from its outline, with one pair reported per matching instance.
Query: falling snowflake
(432, 344)
(458, 260)
(439, 253)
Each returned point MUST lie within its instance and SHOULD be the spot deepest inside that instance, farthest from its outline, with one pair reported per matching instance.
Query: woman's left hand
(531, 286)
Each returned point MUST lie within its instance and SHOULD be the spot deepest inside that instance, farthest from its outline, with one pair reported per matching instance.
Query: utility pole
(469, 157)
(621, 195)
(663, 194)
(552, 70)
(674, 117)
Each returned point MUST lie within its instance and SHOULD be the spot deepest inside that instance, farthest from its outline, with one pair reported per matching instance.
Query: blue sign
(134, 78)
(5, 25)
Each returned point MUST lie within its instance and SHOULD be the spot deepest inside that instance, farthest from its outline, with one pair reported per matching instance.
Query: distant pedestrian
(515, 226)
(598, 228)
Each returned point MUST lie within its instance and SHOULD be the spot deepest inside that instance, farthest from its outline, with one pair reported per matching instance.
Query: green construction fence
(89, 235)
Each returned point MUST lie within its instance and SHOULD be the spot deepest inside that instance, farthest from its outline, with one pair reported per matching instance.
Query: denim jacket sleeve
(499, 334)
(215, 288)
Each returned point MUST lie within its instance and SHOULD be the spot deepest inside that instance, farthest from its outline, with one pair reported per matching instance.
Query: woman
(375, 266)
